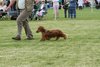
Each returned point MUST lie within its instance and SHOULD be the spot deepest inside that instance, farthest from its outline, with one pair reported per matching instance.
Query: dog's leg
(65, 38)
(43, 38)
(48, 38)
(57, 38)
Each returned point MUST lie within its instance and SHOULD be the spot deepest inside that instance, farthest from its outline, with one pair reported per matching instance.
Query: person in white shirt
(21, 4)
(98, 3)
(80, 4)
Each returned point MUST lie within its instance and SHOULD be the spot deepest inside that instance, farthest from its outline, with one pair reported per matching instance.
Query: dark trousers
(80, 7)
(71, 13)
(65, 13)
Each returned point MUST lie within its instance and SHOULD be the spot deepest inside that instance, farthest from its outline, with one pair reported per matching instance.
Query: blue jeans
(72, 13)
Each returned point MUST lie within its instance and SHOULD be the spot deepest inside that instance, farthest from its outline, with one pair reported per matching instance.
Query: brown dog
(48, 34)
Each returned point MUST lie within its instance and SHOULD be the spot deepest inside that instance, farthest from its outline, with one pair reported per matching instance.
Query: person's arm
(11, 4)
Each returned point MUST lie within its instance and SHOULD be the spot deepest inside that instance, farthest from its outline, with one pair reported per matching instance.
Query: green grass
(81, 49)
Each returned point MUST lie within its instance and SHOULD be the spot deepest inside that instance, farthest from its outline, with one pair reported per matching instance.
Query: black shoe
(16, 38)
(29, 38)
(35, 18)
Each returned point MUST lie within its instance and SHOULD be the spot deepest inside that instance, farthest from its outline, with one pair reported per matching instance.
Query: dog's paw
(42, 40)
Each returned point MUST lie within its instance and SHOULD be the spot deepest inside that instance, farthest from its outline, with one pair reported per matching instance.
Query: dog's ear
(48, 30)
(43, 30)
(41, 27)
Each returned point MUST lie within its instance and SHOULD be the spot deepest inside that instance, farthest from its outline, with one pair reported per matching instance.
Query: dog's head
(40, 29)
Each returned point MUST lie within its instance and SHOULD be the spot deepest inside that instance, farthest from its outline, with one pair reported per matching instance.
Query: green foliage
(81, 49)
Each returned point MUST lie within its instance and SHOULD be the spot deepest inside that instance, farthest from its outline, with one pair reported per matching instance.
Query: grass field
(81, 49)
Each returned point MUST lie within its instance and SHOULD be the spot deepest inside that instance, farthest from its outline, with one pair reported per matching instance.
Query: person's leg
(71, 13)
(27, 30)
(68, 13)
(59, 5)
(65, 12)
(54, 8)
(57, 10)
(74, 13)
(20, 20)
(19, 28)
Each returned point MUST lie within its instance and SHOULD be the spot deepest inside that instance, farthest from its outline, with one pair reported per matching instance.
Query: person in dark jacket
(65, 7)
(72, 9)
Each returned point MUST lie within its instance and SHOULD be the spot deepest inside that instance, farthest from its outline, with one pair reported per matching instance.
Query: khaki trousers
(23, 22)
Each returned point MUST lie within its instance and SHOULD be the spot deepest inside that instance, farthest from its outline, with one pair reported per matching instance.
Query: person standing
(65, 7)
(56, 8)
(80, 4)
(25, 7)
(98, 4)
(72, 9)
(60, 4)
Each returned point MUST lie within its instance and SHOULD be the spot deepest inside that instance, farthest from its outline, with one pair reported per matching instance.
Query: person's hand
(7, 9)
(11, 3)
